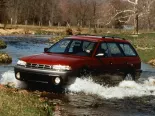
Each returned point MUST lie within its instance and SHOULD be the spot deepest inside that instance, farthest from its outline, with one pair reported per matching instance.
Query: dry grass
(30, 29)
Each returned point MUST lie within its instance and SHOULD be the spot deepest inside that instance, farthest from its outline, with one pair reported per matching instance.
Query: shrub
(2, 44)
(69, 31)
(79, 30)
(5, 58)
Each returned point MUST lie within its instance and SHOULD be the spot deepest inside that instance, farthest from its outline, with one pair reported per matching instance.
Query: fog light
(18, 75)
(57, 80)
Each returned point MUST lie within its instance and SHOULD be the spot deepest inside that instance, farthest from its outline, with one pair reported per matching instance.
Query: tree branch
(124, 11)
(133, 2)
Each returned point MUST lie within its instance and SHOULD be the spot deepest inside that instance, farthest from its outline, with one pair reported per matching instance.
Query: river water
(84, 97)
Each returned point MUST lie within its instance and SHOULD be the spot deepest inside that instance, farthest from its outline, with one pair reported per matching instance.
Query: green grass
(146, 55)
(18, 103)
(145, 45)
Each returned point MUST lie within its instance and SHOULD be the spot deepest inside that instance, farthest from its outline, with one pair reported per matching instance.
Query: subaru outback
(103, 57)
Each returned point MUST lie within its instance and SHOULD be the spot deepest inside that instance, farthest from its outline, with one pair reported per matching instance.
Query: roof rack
(88, 35)
(112, 37)
(97, 36)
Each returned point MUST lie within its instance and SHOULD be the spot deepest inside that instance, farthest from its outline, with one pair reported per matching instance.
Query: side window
(85, 44)
(89, 48)
(60, 47)
(81, 48)
(75, 45)
(114, 50)
(103, 48)
(128, 50)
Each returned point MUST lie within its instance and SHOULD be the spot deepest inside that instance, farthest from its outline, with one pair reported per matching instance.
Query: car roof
(94, 38)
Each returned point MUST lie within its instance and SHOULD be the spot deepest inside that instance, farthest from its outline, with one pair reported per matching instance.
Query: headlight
(61, 67)
(21, 63)
(57, 80)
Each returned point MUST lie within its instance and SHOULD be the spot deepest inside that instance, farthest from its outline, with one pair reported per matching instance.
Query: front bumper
(40, 75)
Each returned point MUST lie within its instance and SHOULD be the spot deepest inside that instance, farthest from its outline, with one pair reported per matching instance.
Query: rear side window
(114, 50)
(128, 50)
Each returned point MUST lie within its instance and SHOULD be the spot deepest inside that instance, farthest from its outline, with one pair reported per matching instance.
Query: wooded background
(84, 13)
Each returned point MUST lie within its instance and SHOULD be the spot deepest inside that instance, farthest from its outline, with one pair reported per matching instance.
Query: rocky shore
(4, 58)
(2, 44)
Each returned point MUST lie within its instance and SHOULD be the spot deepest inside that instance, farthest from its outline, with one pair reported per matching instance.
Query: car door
(131, 58)
(119, 61)
(103, 62)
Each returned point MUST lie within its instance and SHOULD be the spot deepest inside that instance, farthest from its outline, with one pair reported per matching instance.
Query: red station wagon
(110, 58)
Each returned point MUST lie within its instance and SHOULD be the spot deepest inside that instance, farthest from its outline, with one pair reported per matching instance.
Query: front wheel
(84, 72)
(129, 77)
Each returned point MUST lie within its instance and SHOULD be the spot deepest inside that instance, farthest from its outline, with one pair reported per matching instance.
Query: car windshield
(72, 46)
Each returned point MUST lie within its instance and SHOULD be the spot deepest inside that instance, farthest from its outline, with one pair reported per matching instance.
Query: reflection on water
(86, 97)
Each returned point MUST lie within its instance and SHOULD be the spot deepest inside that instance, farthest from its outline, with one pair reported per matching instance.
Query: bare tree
(147, 13)
(85, 13)
(3, 13)
(123, 15)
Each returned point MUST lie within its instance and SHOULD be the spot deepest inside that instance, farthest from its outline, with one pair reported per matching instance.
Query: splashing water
(124, 89)
(87, 86)
(8, 77)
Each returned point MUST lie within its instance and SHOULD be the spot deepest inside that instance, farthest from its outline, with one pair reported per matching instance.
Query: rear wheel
(129, 77)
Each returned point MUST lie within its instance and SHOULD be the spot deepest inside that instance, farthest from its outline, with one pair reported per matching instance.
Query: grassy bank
(15, 102)
(145, 45)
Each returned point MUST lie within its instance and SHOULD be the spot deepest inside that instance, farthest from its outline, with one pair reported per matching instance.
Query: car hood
(52, 59)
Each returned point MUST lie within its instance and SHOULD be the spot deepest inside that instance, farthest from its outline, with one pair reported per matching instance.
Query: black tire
(84, 72)
(129, 77)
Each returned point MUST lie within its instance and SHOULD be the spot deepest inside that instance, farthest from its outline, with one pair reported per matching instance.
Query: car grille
(38, 66)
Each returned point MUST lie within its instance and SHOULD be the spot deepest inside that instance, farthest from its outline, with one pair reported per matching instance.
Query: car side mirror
(100, 55)
(45, 49)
